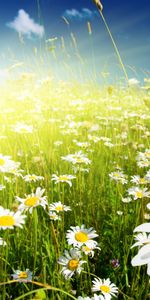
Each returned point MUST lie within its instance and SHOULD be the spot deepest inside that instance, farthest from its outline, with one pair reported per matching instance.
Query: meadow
(74, 168)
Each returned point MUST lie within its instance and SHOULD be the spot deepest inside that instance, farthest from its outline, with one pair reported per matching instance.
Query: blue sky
(129, 22)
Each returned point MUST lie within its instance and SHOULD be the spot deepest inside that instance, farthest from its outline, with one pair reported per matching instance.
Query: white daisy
(53, 216)
(58, 207)
(80, 236)
(98, 297)
(77, 158)
(22, 276)
(139, 180)
(142, 258)
(126, 200)
(10, 219)
(138, 193)
(33, 200)
(21, 128)
(63, 178)
(105, 286)
(89, 251)
(71, 262)
(33, 177)
(83, 298)
(7, 164)
(145, 227)
(142, 238)
(118, 176)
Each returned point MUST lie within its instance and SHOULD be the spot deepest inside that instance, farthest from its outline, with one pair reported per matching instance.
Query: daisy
(63, 178)
(138, 193)
(53, 216)
(7, 164)
(58, 207)
(33, 177)
(71, 262)
(142, 238)
(77, 158)
(22, 276)
(83, 298)
(118, 176)
(148, 206)
(139, 180)
(104, 286)
(126, 200)
(142, 258)
(10, 219)
(89, 251)
(98, 297)
(22, 128)
(80, 236)
(33, 200)
(145, 227)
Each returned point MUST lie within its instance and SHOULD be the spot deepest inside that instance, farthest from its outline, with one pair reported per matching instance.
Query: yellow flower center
(7, 221)
(31, 201)
(147, 154)
(2, 161)
(81, 237)
(142, 180)
(32, 177)
(59, 208)
(116, 174)
(63, 177)
(86, 248)
(23, 275)
(105, 288)
(73, 264)
(139, 194)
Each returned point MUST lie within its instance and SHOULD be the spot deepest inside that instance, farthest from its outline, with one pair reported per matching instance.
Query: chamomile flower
(142, 258)
(7, 164)
(138, 193)
(63, 178)
(98, 297)
(10, 219)
(105, 286)
(21, 128)
(80, 236)
(141, 239)
(83, 298)
(58, 207)
(126, 200)
(32, 178)
(89, 251)
(22, 276)
(77, 158)
(118, 176)
(33, 200)
(139, 180)
(53, 216)
(71, 262)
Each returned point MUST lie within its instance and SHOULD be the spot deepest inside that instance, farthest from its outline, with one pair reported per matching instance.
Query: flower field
(74, 190)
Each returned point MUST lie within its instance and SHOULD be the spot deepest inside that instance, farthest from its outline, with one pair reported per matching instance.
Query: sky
(55, 34)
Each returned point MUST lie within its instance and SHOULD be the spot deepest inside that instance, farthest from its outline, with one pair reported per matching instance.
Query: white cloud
(75, 14)
(25, 25)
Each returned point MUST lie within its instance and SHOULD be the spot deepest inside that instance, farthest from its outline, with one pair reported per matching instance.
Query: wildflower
(80, 236)
(10, 219)
(115, 263)
(71, 262)
(58, 207)
(138, 193)
(126, 200)
(98, 297)
(33, 177)
(54, 216)
(119, 212)
(2, 242)
(83, 298)
(141, 238)
(22, 276)
(142, 258)
(77, 158)
(138, 180)
(33, 200)
(148, 206)
(118, 176)
(145, 227)
(89, 251)
(107, 288)
(7, 164)
(63, 178)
